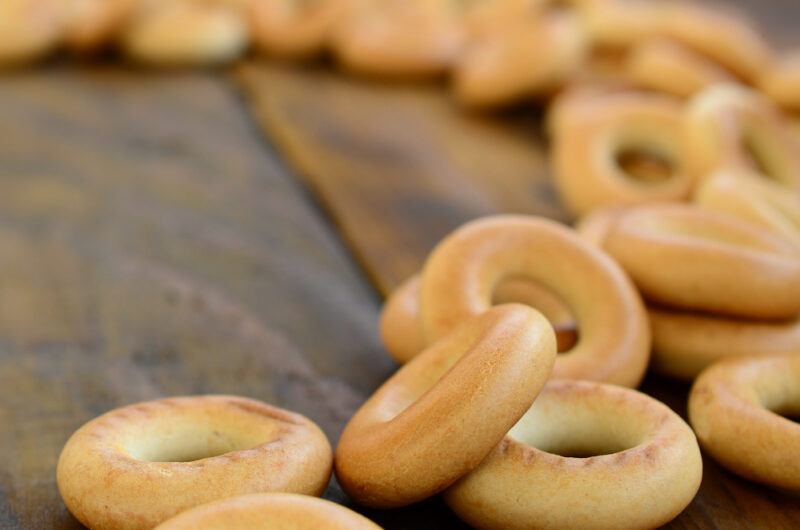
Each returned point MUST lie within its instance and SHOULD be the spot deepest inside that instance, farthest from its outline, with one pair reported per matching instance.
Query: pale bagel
(689, 257)
(647, 469)
(735, 409)
(269, 511)
(684, 344)
(136, 466)
(592, 139)
(461, 274)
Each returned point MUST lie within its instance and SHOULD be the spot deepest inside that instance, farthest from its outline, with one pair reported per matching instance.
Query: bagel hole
(523, 290)
(645, 165)
(189, 443)
(577, 433)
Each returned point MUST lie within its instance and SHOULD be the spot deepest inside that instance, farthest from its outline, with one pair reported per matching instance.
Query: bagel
(93, 24)
(185, 33)
(666, 66)
(29, 29)
(745, 195)
(620, 25)
(730, 126)
(684, 344)
(426, 426)
(735, 409)
(482, 18)
(401, 327)
(529, 57)
(460, 275)
(269, 511)
(397, 39)
(595, 226)
(586, 455)
(595, 142)
(297, 30)
(724, 36)
(136, 466)
(688, 257)
(781, 82)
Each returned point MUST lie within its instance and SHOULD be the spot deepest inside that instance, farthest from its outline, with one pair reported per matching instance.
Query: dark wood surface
(152, 243)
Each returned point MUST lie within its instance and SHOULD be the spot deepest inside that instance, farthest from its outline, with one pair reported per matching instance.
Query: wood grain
(398, 161)
(151, 246)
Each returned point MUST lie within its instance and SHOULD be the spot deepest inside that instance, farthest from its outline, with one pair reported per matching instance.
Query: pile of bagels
(522, 341)
(494, 52)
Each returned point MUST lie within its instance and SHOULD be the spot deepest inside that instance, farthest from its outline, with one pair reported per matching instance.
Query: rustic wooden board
(151, 246)
(401, 150)
(399, 167)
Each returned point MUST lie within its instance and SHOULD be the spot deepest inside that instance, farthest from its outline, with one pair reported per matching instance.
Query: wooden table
(152, 243)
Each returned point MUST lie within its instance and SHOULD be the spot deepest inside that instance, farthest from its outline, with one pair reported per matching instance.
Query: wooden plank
(397, 160)
(150, 246)
(389, 165)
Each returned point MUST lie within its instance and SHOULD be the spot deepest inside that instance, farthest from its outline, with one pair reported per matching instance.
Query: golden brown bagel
(735, 409)
(688, 257)
(745, 195)
(399, 39)
(481, 18)
(722, 35)
(647, 469)
(666, 66)
(29, 29)
(401, 325)
(593, 140)
(93, 24)
(269, 511)
(532, 56)
(781, 82)
(185, 33)
(730, 126)
(136, 466)
(595, 226)
(292, 29)
(684, 344)
(427, 425)
(460, 275)
(621, 24)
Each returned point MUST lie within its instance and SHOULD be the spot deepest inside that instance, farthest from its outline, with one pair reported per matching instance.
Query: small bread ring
(620, 25)
(684, 344)
(692, 258)
(781, 82)
(297, 30)
(461, 273)
(666, 66)
(92, 24)
(401, 325)
(269, 511)
(531, 57)
(723, 36)
(647, 470)
(595, 227)
(591, 143)
(482, 18)
(29, 29)
(430, 416)
(136, 466)
(377, 40)
(735, 409)
(730, 126)
(185, 34)
(745, 195)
